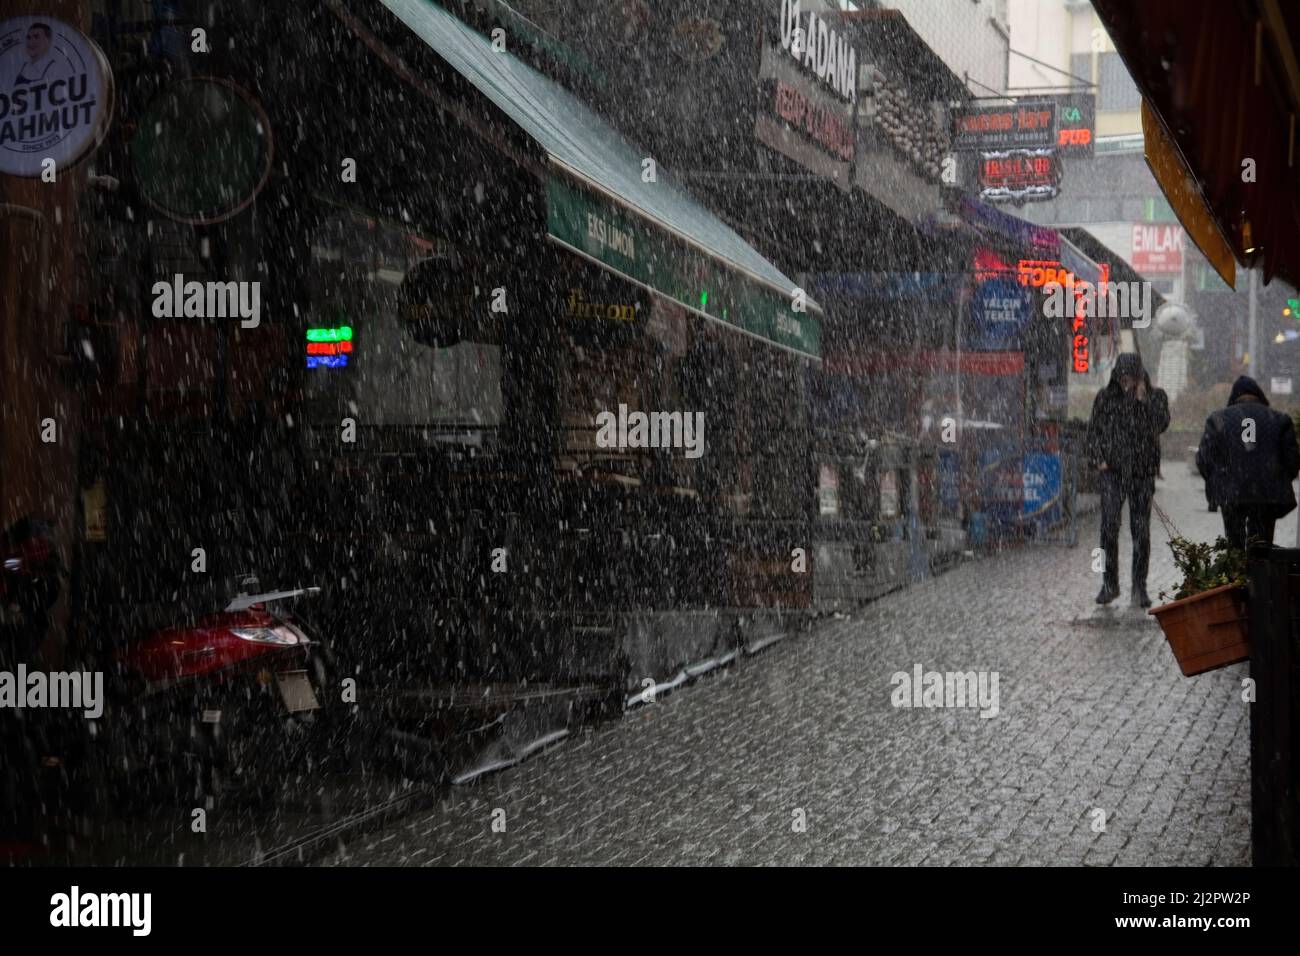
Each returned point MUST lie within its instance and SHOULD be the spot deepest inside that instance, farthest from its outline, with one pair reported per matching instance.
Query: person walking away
(1123, 444)
(1248, 455)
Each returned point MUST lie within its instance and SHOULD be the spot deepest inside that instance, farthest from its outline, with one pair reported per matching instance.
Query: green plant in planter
(1206, 566)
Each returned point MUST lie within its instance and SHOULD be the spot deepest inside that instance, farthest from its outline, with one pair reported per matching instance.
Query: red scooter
(230, 701)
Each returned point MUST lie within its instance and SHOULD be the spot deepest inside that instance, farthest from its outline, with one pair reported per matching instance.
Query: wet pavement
(798, 756)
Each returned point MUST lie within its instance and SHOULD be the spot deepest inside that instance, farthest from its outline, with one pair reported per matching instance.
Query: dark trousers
(1115, 488)
(1244, 522)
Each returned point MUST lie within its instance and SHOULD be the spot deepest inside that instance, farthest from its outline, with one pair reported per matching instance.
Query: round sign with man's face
(56, 95)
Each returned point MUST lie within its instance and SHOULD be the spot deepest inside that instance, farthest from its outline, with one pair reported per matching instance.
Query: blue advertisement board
(1000, 310)
(1042, 484)
(1001, 477)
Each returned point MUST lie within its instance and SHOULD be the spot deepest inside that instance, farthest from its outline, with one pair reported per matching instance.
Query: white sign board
(56, 95)
(1280, 386)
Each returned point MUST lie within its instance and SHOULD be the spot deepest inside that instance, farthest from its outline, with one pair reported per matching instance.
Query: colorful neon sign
(329, 347)
(1043, 272)
(1016, 169)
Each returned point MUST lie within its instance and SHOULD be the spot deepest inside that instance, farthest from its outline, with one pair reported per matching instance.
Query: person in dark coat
(1123, 444)
(1248, 458)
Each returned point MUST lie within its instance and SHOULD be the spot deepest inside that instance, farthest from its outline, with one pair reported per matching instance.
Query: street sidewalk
(1100, 753)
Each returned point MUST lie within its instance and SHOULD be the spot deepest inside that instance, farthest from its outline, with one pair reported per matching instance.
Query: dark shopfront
(201, 453)
(434, 469)
(827, 171)
(657, 305)
(1033, 346)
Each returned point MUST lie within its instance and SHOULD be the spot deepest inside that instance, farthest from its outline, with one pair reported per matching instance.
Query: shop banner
(1028, 125)
(800, 119)
(1000, 310)
(1157, 248)
(1019, 175)
(56, 96)
(616, 238)
(1076, 123)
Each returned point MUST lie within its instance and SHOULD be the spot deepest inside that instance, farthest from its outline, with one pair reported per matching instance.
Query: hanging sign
(1019, 175)
(1076, 119)
(56, 95)
(1022, 126)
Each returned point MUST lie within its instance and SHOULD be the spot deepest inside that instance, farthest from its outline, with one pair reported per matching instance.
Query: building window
(1117, 90)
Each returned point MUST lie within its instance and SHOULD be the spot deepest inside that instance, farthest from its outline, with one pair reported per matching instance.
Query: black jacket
(1240, 473)
(1124, 432)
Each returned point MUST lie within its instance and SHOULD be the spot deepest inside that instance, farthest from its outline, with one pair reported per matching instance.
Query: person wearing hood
(1123, 444)
(1248, 458)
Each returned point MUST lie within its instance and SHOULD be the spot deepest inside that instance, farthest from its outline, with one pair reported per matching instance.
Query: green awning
(598, 204)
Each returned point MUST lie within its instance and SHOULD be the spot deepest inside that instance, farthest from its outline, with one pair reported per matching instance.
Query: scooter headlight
(282, 635)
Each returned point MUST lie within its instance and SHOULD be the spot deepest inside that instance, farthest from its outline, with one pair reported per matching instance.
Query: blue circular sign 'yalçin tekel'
(1000, 309)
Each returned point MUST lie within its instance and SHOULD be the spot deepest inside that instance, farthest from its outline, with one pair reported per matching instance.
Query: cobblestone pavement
(1094, 716)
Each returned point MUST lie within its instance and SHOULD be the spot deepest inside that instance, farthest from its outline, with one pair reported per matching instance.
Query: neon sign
(1018, 175)
(1024, 169)
(1044, 272)
(1041, 272)
(1076, 121)
(340, 334)
(329, 347)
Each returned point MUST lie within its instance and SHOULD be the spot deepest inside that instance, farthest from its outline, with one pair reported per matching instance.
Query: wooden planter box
(1207, 630)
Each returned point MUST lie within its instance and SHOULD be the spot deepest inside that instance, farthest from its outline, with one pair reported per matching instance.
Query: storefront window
(363, 357)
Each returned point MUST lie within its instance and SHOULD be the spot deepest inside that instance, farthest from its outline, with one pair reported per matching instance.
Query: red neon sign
(329, 348)
(1016, 171)
(1041, 272)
